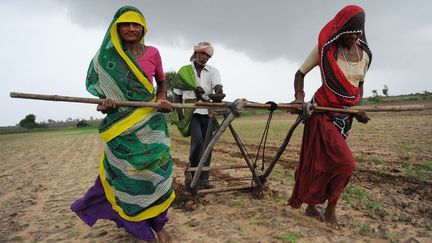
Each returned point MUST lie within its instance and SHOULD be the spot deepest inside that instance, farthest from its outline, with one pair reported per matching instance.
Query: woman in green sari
(134, 187)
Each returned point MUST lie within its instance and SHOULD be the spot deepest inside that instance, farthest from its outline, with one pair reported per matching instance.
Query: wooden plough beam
(226, 105)
(234, 108)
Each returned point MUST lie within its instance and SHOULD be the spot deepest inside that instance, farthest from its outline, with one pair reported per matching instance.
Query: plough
(231, 111)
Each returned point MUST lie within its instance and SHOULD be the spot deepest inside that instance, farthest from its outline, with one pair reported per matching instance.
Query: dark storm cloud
(399, 33)
(261, 29)
(264, 29)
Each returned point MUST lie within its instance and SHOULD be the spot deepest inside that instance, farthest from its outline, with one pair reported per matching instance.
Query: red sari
(326, 162)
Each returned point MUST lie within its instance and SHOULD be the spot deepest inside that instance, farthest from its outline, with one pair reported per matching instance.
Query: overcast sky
(48, 44)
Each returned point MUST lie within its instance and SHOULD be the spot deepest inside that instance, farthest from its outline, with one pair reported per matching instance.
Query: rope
(307, 111)
(273, 107)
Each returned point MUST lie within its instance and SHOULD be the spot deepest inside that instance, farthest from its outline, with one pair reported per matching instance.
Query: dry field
(388, 199)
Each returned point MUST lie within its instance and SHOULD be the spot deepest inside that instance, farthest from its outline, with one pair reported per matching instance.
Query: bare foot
(330, 217)
(163, 236)
(314, 212)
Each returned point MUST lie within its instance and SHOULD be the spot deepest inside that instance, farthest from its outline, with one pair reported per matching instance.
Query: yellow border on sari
(123, 125)
(149, 213)
(130, 17)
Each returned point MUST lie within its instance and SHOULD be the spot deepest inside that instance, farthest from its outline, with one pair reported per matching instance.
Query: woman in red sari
(326, 162)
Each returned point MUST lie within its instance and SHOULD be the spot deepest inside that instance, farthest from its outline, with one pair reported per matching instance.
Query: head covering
(202, 47)
(129, 14)
(109, 62)
(336, 90)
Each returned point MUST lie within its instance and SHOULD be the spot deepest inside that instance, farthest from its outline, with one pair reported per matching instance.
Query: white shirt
(209, 79)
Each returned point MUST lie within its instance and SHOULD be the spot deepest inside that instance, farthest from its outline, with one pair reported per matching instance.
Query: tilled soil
(388, 198)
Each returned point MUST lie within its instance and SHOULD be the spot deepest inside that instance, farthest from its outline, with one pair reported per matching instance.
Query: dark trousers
(198, 130)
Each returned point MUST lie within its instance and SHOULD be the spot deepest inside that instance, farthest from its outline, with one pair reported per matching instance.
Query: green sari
(136, 165)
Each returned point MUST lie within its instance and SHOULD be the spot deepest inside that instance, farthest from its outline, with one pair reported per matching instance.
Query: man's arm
(179, 99)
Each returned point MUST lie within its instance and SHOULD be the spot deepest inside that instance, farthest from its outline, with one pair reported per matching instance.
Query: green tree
(375, 96)
(385, 91)
(28, 122)
(169, 78)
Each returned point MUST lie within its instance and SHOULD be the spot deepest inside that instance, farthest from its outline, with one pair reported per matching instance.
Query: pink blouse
(151, 64)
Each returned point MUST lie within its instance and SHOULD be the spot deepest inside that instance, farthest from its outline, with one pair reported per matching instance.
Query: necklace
(346, 60)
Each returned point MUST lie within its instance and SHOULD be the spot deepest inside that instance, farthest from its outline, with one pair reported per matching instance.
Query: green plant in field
(279, 197)
(235, 203)
(416, 171)
(354, 193)
(291, 237)
(256, 221)
(376, 207)
(17, 238)
(405, 146)
(427, 165)
(378, 161)
(277, 173)
(363, 229)
(357, 197)
(274, 224)
(405, 218)
(360, 158)
(289, 174)
(239, 227)
(393, 237)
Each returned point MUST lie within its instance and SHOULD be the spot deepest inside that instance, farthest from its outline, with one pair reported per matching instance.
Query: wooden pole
(381, 108)
(220, 167)
(281, 148)
(246, 156)
(224, 189)
(210, 105)
(93, 100)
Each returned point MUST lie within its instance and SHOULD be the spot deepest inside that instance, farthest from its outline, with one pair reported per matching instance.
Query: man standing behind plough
(326, 162)
(194, 82)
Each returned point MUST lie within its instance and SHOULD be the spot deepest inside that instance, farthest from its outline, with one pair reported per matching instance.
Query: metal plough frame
(257, 179)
